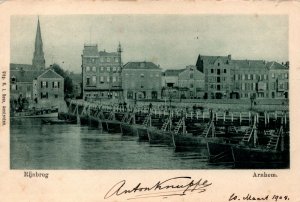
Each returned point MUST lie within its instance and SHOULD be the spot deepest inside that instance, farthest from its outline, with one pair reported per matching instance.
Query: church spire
(38, 60)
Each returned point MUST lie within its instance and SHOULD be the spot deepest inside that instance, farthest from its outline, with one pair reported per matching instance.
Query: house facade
(101, 73)
(141, 80)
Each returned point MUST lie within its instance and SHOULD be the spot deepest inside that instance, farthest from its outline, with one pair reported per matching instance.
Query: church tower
(38, 60)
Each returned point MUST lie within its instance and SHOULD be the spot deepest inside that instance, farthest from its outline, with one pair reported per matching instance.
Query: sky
(172, 41)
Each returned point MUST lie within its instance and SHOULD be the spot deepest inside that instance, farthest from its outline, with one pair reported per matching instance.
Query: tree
(68, 84)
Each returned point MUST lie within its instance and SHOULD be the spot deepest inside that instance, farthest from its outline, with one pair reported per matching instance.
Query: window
(55, 96)
(94, 79)
(13, 79)
(102, 68)
(44, 95)
(192, 86)
(273, 75)
(107, 79)
(44, 84)
(14, 87)
(212, 71)
(142, 75)
(108, 69)
(249, 76)
(286, 75)
(88, 81)
(114, 79)
(224, 71)
(93, 60)
(243, 77)
(157, 75)
(218, 71)
(101, 79)
(101, 59)
(116, 60)
(218, 64)
(107, 59)
(55, 84)
(88, 69)
(114, 69)
(94, 69)
(191, 76)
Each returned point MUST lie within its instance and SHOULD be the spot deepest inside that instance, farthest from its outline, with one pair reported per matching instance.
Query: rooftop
(141, 65)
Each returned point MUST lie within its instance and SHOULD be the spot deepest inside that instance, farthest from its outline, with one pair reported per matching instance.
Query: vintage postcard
(149, 101)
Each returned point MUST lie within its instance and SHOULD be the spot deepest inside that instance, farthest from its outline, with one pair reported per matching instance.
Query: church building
(27, 80)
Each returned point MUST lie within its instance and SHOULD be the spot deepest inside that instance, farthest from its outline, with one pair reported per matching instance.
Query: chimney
(229, 57)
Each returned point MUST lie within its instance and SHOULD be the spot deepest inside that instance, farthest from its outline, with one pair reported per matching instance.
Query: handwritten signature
(176, 186)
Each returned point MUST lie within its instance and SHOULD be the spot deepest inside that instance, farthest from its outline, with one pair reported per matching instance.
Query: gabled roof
(276, 66)
(210, 60)
(140, 65)
(250, 64)
(25, 76)
(50, 74)
(173, 72)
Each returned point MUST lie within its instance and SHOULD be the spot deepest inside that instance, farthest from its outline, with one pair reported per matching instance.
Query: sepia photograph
(98, 92)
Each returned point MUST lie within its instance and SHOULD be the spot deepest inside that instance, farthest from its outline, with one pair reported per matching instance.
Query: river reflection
(34, 145)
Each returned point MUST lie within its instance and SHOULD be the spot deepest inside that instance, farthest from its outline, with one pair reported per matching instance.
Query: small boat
(127, 125)
(112, 126)
(165, 135)
(272, 155)
(36, 113)
(50, 121)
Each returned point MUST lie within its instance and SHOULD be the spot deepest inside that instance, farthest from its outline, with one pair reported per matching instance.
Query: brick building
(141, 80)
(191, 83)
(243, 79)
(50, 87)
(218, 73)
(101, 73)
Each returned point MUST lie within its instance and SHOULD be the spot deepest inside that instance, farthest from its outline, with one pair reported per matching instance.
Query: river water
(34, 145)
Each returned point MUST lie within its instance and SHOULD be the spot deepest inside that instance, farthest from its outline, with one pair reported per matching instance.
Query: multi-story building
(278, 80)
(250, 79)
(101, 73)
(191, 83)
(50, 87)
(183, 83)
(244, 79)
(141, 80)
(218, 72)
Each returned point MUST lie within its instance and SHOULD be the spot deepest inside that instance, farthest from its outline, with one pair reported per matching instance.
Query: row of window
(217, 71)
(216, 79)
(218, 87)
(259, 77)
(142, 75)
(55, 84)
(103, 59)
(280, 76)
(102, 79)
(102, 94)
(94, 69)
(46, 96)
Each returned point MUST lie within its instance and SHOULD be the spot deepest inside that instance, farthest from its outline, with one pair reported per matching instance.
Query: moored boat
(50, 121)
(272, 155)
(36, 113)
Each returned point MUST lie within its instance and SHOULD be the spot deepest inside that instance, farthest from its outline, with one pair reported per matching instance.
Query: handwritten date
(250, 197)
